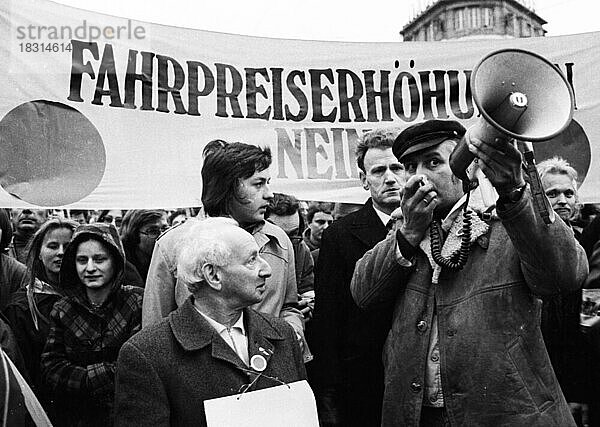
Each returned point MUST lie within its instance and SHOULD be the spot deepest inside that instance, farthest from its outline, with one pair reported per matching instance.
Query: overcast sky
(344, 20)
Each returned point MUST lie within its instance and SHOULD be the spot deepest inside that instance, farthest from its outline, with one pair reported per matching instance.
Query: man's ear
(363, 179)
(212, 276)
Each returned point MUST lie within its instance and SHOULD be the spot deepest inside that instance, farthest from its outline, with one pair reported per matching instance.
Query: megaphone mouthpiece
(518, 100)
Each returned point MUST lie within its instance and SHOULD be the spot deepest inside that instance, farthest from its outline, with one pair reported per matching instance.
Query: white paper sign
(291, 405)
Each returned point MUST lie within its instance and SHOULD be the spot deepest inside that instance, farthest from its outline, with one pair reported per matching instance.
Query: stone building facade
(463, 19)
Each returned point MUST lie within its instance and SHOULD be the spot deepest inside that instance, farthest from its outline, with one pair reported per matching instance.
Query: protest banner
(99, 111)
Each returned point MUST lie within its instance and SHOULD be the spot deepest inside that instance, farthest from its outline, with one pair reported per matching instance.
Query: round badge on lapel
(258, 363)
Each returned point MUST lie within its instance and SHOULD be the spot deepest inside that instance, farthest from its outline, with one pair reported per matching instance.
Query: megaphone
(521, 96)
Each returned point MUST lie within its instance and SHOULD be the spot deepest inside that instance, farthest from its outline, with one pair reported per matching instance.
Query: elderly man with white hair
(214, 344)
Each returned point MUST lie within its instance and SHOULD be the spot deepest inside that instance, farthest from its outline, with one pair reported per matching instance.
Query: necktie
(390, 224)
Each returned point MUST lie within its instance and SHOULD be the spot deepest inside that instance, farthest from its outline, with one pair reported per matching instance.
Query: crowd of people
(422, 307)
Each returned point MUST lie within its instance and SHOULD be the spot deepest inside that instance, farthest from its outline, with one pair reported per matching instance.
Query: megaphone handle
(539, 196)
(461, 158)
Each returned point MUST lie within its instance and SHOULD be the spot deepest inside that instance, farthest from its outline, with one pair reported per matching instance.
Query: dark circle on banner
(50, 154)
(572, 144)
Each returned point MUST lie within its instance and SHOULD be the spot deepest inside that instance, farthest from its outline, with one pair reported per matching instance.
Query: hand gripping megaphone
(521, 96)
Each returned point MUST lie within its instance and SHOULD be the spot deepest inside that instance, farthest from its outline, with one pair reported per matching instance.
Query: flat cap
(426, 134)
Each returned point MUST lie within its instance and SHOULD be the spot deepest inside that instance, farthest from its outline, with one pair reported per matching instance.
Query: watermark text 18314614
(34, 47)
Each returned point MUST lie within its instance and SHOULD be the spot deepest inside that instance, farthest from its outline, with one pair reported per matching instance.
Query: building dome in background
(445, 20)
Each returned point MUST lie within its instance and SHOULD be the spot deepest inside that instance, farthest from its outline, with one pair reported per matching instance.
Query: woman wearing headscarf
(29, 310)
(88, 326)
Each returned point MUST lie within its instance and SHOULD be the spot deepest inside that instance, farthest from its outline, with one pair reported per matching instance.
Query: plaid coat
(78, 363)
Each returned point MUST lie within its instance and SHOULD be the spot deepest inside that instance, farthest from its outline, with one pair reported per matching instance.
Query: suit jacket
(166, 371)
(347, 343)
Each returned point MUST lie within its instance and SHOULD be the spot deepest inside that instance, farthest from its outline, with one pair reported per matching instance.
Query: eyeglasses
(108, 219)
(153, 232)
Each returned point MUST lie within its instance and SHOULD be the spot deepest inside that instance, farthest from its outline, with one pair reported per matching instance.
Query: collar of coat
(452, 225)
(265, 231)
(193, 332)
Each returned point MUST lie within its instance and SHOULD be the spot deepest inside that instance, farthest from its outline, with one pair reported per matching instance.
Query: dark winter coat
(12, 278)
(32, 340)
(166, 371)
(346, 341)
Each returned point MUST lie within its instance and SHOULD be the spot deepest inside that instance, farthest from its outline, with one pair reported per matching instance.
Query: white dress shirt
(235, 337)
(385, 218)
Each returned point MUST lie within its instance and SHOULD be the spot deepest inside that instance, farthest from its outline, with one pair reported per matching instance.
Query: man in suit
(213, 345)
(347, 370)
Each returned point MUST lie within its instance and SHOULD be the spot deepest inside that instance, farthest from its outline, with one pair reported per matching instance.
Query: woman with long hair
(29, 310)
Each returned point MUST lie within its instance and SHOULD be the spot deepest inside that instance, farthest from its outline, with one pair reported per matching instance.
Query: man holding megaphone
(465, 348)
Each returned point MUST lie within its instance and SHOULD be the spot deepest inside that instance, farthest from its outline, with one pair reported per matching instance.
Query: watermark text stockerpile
(81, 32)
